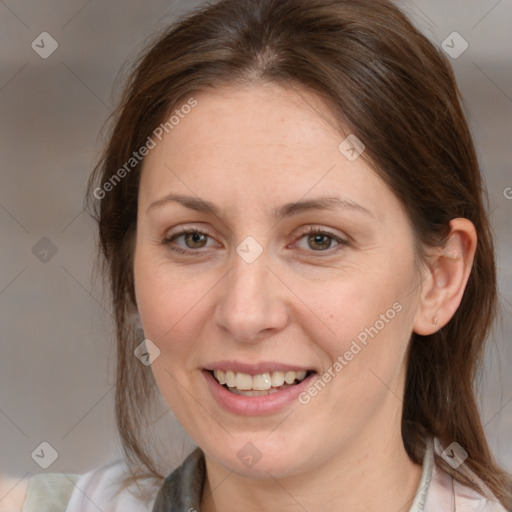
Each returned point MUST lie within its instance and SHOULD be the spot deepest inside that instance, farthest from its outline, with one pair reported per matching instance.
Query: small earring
(435, 320)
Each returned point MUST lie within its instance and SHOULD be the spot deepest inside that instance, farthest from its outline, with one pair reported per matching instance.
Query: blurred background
(59, 62)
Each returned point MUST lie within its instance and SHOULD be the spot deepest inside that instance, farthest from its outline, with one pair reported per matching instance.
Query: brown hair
(396, 92)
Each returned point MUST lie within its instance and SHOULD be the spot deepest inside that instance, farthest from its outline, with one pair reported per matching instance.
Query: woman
(290, 207)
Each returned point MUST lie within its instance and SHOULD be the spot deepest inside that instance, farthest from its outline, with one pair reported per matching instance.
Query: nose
(252, 303)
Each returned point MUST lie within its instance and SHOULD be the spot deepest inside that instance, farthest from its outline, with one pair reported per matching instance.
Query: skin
(249, 150)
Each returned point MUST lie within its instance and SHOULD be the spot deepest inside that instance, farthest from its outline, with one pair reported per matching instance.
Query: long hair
(396, 92)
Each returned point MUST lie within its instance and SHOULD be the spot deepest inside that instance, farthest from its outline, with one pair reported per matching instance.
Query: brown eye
(195, 240)
(188, 241)
(320, 241)
(317, 240)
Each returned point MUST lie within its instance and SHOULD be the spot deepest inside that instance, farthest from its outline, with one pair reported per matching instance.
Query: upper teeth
(261, 382)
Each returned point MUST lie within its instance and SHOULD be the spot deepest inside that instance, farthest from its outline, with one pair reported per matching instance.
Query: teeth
(261, 382)
(277, 379)
(289, 377)
(243, 381)
(230, 379)
(256, 383)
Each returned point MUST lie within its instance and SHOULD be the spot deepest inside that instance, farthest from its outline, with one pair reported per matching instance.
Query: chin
(258, 458)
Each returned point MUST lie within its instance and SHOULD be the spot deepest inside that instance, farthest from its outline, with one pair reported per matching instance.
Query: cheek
(367, 320)
(169, 309)
(356, 305)
(168, 305)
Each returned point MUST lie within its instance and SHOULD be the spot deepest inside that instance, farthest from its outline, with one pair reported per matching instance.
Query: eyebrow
(286, 210)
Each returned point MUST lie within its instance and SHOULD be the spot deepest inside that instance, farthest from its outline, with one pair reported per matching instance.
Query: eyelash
(308, 232)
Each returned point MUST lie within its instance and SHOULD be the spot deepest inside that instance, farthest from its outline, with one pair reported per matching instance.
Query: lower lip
(254, 405)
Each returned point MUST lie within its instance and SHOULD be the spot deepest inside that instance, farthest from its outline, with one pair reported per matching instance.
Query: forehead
(235, 123)
(265, 141)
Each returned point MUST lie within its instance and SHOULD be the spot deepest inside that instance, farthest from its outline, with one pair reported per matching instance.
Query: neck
(375, 475)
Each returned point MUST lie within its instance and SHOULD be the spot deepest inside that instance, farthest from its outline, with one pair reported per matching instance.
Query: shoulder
(98, 489)
(447, 494)
(102, 488)
(41, 492)
(12, 493)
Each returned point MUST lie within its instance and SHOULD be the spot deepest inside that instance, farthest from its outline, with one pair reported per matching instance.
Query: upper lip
(255, 369)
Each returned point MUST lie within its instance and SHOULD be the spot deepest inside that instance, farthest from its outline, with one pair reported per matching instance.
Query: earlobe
(134, 317)
(446, 277)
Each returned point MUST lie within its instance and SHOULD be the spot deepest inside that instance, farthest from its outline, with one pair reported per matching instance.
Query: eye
(320, 240)
(317, 240)
(192, 238)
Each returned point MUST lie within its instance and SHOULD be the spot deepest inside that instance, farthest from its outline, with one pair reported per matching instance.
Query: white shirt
(98, 490)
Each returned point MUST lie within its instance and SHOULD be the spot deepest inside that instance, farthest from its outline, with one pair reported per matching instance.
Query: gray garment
(181, 490)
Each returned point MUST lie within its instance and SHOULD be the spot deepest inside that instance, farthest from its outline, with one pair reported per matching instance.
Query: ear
(445, 278)
(134, 317)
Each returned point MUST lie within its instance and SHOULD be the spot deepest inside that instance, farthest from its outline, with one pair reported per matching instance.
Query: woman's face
(254, 297)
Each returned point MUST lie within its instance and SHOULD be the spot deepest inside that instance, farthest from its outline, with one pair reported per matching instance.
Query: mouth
(257, 389)
(262, 384)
